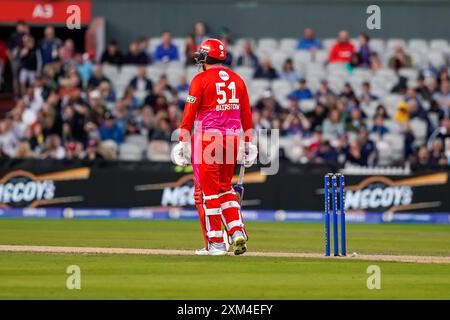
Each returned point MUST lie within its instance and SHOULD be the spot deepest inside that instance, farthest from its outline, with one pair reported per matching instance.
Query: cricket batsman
(216, 108)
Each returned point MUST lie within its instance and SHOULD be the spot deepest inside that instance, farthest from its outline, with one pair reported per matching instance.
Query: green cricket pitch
(38, 275)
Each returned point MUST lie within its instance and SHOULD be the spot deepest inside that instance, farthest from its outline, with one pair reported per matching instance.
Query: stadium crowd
(66, 105)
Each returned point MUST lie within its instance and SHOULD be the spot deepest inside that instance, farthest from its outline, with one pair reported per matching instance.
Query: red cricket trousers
(214, 160)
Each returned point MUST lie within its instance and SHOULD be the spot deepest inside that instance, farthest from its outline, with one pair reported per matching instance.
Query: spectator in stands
(200, 32)
(110, 130)
(135, 55)
(309, 41)
(423, 90)
(183, 84)
(162, 130)
(444, 131)
(112, 54)
(355, 120)
(347, 91)
(166, 51)
(302, 92)
(92, 151)
(332, 125)
(317, 116)
(265, 70)
(229, 59)
(84, 67)
(248, 58)
(15, 44)
(288, 72)
(24, 150)
(399, 59)
(53, 148)
(401, 115)
(375, 63)
(442, 97)
(325, 154)
(141, 83)
(381, 111)
(97, 77)
(422, 157)
(378, 126)
(442, 76)
(268, 102)
(67, 53)
(49, 46)
(366, 96)
(367, 148)
(364, 51)
(324, 93)
(191, 48)
(30, 63)
(342, 49)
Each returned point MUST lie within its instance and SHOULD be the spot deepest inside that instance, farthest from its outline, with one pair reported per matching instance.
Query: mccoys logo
(180, 193)
(22, 188)
(380, 192)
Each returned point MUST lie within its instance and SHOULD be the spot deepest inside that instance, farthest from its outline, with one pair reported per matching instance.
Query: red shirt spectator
(342, 50)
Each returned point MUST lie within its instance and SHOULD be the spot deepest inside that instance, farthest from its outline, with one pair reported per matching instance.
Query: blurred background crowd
(334, 100)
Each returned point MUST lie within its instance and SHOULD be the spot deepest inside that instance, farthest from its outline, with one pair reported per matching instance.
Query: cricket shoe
(201, 252)
(215, 249)
(240, 244)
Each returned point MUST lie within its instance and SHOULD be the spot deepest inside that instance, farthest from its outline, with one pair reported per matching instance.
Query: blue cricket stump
(335, 217)
(334, 193)
(342, 214)
(327, 214)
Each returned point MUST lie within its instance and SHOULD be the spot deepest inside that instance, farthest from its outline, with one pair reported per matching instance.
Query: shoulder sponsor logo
(224, 75)
(191, 99)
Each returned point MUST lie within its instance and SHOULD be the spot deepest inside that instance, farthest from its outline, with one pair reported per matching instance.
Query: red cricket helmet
(213, 48)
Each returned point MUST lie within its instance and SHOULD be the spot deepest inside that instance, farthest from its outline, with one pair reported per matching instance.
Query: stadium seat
(417, 45)
(266, 46)
(278, 58)
(138, 140)
(393, 126)
(377, 45)
(245, 72)
(307, 105)
(320, 56)
(258, 86)
(154, 73)
(419, 130)
(130, 152)
(110, 71)
(158, 150)
(391, 43)
(191, 72)
(301, 59)
(288, 45)
(409, 73)
(363, 74)
(439, 45)
(327, 43)
(436, 58)
(391, 102)
(108, 149)
(281, 86)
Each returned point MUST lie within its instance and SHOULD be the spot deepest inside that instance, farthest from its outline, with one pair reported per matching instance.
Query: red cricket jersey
(218, 102)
